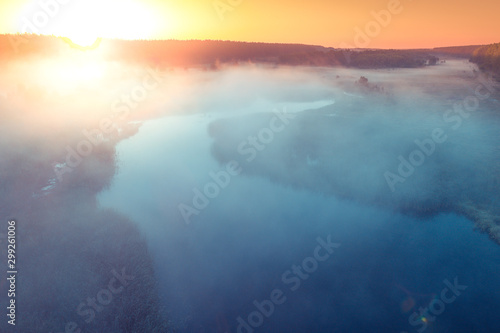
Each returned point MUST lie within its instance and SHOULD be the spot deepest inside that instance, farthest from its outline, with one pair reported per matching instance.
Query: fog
(244, 168)
(382, 185)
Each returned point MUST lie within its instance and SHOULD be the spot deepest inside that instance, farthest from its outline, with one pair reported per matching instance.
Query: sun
(83, 44)
(82, 39)
(86, 22)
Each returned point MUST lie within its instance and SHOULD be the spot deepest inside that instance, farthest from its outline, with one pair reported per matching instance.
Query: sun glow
(68, 75)
(82, 39)
(111, 19)
(84, 22)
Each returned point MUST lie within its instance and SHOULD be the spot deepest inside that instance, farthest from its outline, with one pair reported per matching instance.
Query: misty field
(252, 197)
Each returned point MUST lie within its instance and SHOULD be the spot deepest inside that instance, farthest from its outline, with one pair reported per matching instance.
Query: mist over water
(317, 171)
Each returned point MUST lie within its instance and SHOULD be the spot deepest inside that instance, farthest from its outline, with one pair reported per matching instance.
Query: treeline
(159, 52)
(386, 58)
(457, 51)
(198, 52)
(488, 58)
(212, 54)
(25, 45)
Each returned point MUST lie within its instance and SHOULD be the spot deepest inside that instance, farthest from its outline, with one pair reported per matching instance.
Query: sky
(332, 23)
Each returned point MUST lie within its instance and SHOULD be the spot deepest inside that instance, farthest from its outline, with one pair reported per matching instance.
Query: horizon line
(243, 41)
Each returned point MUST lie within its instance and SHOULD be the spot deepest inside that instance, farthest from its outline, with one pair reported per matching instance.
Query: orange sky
(412, 23)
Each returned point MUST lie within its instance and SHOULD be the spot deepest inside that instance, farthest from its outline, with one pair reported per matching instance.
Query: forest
(488, 59)
(212, 53)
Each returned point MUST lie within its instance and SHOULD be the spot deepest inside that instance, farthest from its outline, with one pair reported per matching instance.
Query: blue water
(236, 250)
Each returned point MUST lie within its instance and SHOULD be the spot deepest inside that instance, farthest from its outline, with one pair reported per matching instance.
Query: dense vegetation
(212, 54)
(319, 156)
(68, 246)
(457, 51)
(488, 58)
(386, 58)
